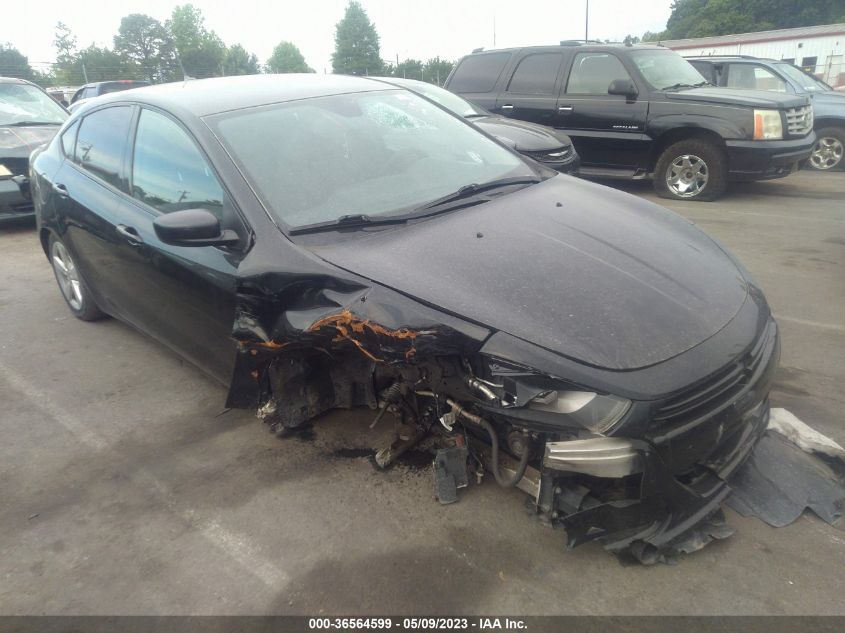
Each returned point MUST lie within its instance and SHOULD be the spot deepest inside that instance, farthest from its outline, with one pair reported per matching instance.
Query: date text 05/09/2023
(417, 624)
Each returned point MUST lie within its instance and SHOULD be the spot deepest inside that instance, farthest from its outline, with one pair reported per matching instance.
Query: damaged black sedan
(29, 117)
(332, 242)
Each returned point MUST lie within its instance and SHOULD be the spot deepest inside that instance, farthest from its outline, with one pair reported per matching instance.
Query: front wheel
(691, 170)
(827, 152)
(75, 292)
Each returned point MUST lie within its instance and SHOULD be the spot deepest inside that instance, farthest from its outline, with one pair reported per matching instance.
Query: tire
(828, 151)
(74, 290)
(692, 169)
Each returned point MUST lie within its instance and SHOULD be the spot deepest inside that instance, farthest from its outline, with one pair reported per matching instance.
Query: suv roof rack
(765, 59)
(580, 42)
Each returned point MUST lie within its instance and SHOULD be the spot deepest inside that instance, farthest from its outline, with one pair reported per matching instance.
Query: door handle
(507, 106)
(130, 234)
(566, 108)
(60, 189)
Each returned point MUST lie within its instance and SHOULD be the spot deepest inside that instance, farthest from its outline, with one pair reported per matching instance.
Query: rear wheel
(691, 170)
(828, 150)
(75, 292)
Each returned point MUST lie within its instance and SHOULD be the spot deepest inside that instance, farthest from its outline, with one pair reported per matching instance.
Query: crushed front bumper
(658, 496)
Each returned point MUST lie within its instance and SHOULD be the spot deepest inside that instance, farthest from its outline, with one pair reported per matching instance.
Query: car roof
(592, 47)
(203, 97)
(15, 80)
(734, 58)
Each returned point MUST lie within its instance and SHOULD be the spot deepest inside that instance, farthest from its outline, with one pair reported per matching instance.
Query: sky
(408, 29)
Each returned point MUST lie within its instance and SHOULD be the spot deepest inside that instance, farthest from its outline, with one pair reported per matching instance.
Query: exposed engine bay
(645, 478)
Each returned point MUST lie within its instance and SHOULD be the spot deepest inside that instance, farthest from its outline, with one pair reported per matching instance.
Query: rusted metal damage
(305, 349)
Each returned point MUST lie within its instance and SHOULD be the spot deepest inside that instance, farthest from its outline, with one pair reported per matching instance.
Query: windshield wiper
(441, 205)
(468, 191)
(353, 221)
(28, 123)
(684, 85)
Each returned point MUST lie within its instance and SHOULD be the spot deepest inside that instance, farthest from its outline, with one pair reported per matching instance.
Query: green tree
(435, 70)
(356, 44)
(409, 69)
(101, 64)
(240, 62)
(66, 54)
(703, 18)
(201, 51)
(147, 47)
(287, 58)
(14, 64)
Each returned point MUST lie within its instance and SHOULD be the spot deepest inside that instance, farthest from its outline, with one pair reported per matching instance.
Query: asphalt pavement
(125, 488)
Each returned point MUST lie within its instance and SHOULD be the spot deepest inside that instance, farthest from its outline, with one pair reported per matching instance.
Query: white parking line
(825, 326)
(236, 546)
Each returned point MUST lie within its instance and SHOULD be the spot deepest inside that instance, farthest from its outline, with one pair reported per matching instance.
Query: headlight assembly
(767, 125)
(598, 413)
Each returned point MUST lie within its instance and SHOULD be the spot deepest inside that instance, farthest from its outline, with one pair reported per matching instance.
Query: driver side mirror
(192, 227)
(624, 87)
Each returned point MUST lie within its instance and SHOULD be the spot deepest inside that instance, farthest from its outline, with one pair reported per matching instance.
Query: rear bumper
(764, 160)
(14, 203)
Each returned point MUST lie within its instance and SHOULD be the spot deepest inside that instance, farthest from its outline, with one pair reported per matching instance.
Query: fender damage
(310, 345)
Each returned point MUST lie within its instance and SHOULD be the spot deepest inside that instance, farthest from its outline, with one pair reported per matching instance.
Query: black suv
(742, 71)
(640, 111)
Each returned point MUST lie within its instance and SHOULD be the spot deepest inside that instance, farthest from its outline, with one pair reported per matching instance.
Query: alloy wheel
(827, 153)
(687, 176)
(67, 275)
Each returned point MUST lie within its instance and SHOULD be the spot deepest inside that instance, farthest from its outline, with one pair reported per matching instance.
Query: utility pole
(494, 30)
(587, 22)
(84, 72)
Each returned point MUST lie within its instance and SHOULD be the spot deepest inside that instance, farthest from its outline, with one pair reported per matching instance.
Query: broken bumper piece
(600, 457)
(621, 493)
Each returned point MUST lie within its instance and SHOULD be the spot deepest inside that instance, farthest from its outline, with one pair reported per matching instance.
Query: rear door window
(478, 73)
(536, 74)
(101, 142)
(592, 73)
(169, 173)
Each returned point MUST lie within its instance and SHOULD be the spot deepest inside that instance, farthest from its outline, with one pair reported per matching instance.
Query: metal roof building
(818, 49)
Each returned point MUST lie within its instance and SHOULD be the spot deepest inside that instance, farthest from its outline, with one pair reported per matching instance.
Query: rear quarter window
(478, 73)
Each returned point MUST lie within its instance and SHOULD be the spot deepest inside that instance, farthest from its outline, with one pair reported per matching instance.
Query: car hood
(19, 142)
(582, 270)
(739, 97)
(522, 136)
(830, 97)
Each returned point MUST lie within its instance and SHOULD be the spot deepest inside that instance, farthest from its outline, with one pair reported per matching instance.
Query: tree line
(182, 47)
(705, 18)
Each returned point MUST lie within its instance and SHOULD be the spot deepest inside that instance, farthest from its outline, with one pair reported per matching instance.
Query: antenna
(587, 22)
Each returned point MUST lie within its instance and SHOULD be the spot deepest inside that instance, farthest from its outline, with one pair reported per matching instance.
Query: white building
(818, 49)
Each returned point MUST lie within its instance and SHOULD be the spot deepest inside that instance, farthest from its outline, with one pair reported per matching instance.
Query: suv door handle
(566, 108)
(130, 234)
(60, 189)
(507, 106)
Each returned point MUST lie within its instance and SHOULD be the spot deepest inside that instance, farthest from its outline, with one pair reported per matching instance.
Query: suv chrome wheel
(827, 153)
(687, 176)
(66, 275)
